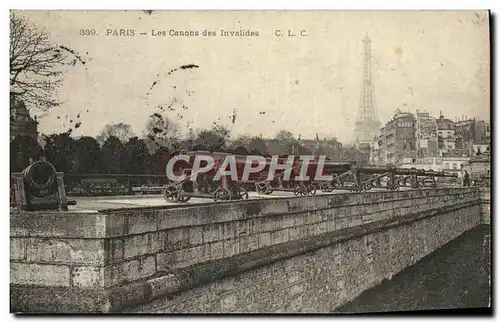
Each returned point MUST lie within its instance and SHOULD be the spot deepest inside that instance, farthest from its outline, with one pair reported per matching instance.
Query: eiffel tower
(367, 124)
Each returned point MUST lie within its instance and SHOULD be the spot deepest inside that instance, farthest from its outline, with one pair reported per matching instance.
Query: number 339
(88, 32)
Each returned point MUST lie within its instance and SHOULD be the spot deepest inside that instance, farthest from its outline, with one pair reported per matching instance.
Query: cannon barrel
(40, 175)
(405, 171)
(39, 187)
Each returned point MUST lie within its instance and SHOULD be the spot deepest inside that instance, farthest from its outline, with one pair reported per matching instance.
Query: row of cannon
(342, 176)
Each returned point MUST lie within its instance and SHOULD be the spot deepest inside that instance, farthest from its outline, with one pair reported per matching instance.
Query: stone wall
(485, 199)
(289, 254)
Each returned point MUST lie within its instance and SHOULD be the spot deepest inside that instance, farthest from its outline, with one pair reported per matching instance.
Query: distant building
(426, 135)
(21, 123)
(435, 163)
(396, 139)
(472, 132)
(446, 134)
(330, 148)
(482, 132)
(375, 151)
(480, 149)
(352, 153)
(479, 167)
(277, 147)
(454, 163)
(427, 163)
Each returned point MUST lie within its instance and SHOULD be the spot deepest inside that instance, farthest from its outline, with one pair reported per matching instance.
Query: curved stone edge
(30, 299)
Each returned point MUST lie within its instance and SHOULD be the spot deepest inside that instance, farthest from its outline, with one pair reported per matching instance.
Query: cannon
(39, 187)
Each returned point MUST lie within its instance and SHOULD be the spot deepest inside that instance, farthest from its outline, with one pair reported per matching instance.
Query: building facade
(446, 135)
(426, 135)
(454, 164)
(426, 163)
(396, 139)
(21, 123)
(471, 134)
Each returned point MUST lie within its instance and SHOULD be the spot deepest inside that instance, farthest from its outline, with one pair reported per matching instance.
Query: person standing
(466, 179)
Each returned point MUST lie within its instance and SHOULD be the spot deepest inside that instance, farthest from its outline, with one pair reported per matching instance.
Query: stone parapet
(116, 260)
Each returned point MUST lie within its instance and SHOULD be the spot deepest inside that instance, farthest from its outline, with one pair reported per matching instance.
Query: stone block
(322, 227)
(253, 242)
(168, 260)
(141, 244)
(264, 239)
(197, 255)
(293, 233)
(88, 277)
(298, 220)
(242, 228)
(17, 248)
(217, 250)
(287, 221)
(210, 233)
(330, 225)
(231, 247)
(309, 217)
(226, 230)
(254, 225)
(114, 250)
(67, 225)
(141, 222)
(278, 206)
(39, 275)
(195, 235)
(116, 224)
(130, 271)
(276, 237)
(175, 239)
(179, 217)
(162, 284)
(66, 251)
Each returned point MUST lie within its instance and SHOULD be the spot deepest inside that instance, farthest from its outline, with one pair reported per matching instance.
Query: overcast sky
(434, 61)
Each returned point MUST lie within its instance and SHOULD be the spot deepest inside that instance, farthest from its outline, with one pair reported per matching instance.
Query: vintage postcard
(249, 161)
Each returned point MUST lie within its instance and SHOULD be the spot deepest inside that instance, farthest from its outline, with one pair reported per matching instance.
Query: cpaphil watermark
(244, 168)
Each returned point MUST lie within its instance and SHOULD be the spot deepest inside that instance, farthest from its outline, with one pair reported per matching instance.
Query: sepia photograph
(253, 162)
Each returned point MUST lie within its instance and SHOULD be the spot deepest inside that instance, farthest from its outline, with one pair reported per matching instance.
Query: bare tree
(284, 135)
(161, 132)
(36, 65)
(120, 130)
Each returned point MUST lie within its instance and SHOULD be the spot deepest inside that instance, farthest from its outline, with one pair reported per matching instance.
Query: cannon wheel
(243, 194)
(337, 181)
(171, 193)
(311, 189)
(354, 188)
(325, 188)
(393, 187)
(222, 194)
(300, 190)
(367, 186)
(261, 187)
